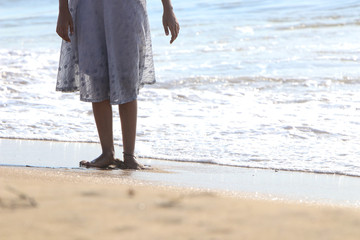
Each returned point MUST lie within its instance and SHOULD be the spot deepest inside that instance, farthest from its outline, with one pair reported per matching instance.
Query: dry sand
(67, 204)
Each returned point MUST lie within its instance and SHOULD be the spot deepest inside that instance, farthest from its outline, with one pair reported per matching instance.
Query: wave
(303, 26)
(193, 82)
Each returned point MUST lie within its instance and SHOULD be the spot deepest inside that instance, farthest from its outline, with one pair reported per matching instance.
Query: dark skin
(103, 110)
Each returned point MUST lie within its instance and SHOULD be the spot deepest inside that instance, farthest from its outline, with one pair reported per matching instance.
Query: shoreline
(326, 189)
(163, 159)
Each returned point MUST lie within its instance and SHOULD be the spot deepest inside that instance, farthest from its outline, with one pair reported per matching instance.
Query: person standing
(106, 55)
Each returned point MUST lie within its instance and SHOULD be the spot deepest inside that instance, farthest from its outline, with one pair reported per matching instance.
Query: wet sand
(40, 203)
(249, 182)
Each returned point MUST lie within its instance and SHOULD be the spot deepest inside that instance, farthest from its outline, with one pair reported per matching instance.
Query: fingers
(170, 23)
(174, 32)
(166, 29)
(63, 31)
(65, 36)
(71, 24)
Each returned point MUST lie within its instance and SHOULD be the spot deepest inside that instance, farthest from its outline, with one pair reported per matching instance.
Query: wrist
(63, 6)
(167, 7)
(64, 11)
(168, 11)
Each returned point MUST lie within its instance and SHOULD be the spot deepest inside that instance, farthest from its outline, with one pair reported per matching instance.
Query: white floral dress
(110, 54)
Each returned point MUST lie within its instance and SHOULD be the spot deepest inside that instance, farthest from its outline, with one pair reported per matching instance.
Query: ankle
(129, 157)
(128, 154)
(109, 154)
(131, 162)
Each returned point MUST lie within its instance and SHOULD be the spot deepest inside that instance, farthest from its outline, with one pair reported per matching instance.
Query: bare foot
(119, 164)
(131, 163)
(103, 161)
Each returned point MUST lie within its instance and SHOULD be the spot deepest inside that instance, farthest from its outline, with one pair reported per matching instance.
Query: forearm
(63, 5)
(167, 5)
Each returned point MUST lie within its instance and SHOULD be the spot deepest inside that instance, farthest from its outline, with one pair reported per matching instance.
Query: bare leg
(128, 117)
(103, 118)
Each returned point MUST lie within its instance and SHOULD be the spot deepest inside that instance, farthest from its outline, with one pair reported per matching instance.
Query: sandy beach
(41, 203)
(250, 132)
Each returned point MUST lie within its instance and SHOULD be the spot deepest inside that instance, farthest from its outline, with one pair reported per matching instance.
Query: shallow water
(271, 84)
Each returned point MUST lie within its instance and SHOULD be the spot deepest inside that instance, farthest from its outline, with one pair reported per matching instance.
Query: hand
(64, 22)
(170, 23)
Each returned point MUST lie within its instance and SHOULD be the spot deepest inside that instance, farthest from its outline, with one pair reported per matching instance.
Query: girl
(108, 57)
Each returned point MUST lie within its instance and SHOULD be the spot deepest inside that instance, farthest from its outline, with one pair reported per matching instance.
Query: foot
(103, 161)
(131, 163)
(119, 164)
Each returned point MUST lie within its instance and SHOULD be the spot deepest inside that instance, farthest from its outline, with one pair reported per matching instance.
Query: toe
(120, 164)
(84, 163)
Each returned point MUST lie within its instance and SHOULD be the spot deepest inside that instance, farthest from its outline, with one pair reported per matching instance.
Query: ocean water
(252, 83)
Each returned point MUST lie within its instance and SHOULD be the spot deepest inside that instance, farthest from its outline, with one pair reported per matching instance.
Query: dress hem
(112, 103)
(70, 90)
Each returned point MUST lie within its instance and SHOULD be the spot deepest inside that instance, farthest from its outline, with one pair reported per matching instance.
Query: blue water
(270, 84)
